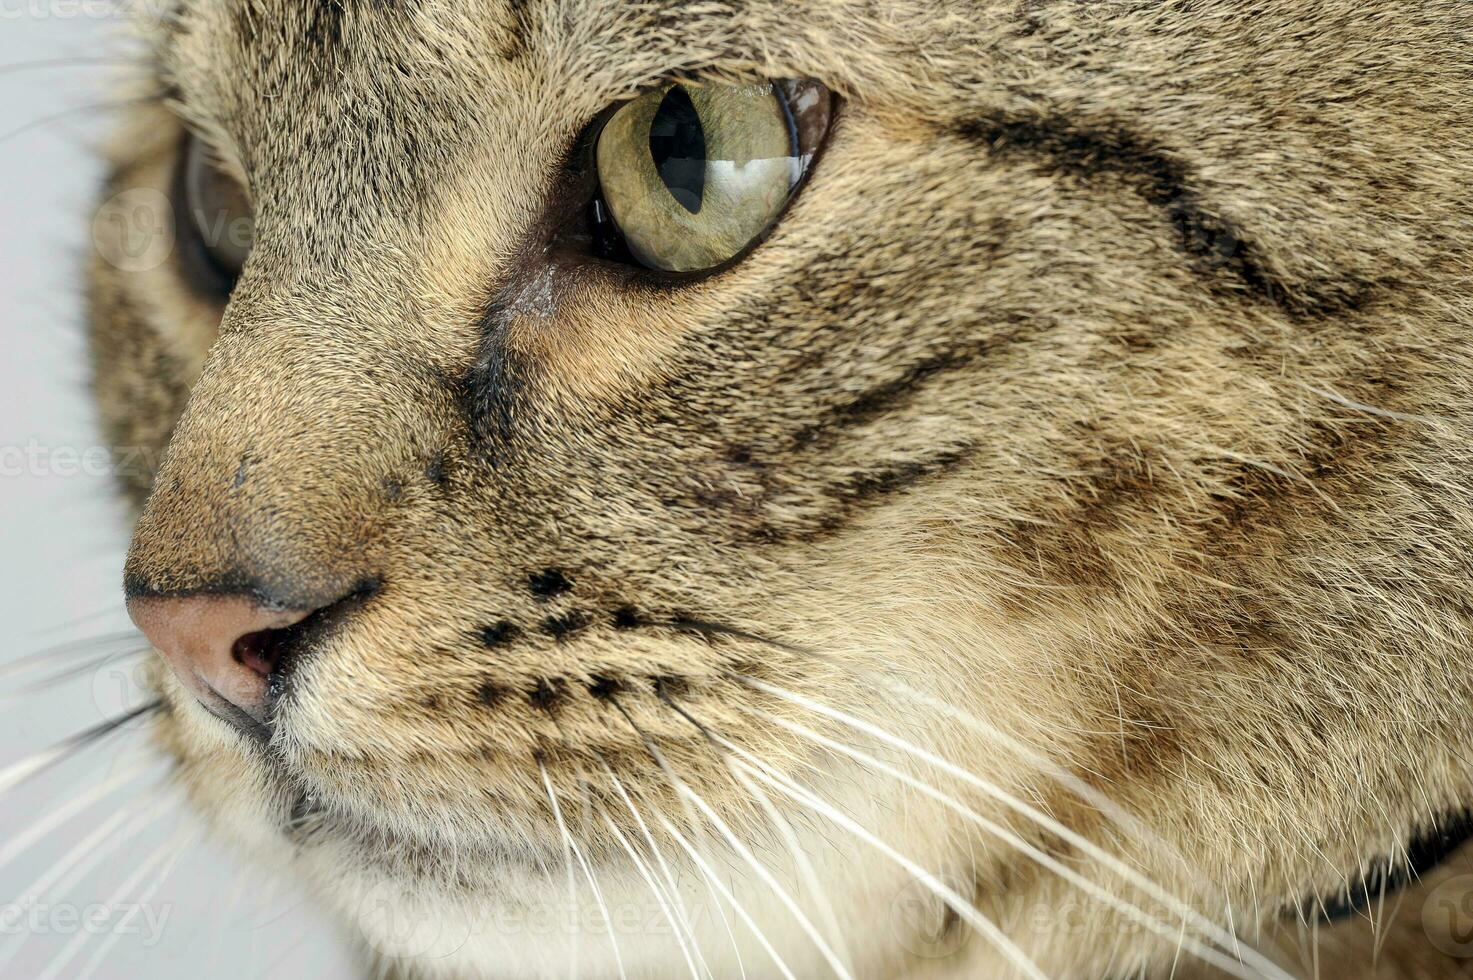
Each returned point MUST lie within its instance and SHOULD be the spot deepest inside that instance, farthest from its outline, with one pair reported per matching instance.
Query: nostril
(226, 650)
(261, 651)
(233, 649)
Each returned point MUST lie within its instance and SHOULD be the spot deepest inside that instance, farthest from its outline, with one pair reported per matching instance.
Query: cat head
(580, 423)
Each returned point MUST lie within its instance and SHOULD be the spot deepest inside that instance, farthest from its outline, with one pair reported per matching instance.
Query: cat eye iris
(692, 176)
(218, 220)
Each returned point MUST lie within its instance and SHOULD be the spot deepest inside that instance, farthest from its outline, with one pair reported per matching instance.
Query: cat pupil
(678, 145)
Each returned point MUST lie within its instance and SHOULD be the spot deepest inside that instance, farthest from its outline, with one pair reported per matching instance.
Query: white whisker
(1209, 929)
(655, 890)
(768, 878)
(67, 651)
(1384, 413)
(576, 906)
(104, 840)
(790, 839)
(18, 772)
(785, 830)
(160, 855)
(100, 953)
(964, 908)
(40, 828)
(674, 884)
(1224, 962)
(726, 893)
(795, 848)
(690, 815)
(583, 862)
(1117, 814)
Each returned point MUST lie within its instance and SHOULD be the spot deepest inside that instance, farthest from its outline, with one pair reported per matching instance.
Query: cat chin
(515, 917)
(533, 926)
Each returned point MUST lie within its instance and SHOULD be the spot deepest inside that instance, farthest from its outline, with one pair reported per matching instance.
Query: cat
(855, 488)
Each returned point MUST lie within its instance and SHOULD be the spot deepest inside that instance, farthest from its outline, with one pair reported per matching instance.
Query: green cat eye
(693, 175)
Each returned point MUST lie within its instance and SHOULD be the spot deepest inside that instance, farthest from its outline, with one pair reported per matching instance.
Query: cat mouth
(237, 718)
(379, 842)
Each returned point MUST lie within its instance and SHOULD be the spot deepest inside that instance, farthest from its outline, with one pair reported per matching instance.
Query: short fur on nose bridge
(217, 645)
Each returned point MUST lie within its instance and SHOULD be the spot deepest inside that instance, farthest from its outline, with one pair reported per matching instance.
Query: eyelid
(648, 246)
(223, 150)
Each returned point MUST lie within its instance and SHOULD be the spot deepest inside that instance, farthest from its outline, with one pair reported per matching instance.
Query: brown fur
(1109, 380)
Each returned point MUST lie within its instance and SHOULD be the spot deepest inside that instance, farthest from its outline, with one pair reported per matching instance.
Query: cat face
(1033, 390)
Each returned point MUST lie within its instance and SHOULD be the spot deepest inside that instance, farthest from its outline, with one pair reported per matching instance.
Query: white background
(62, 540)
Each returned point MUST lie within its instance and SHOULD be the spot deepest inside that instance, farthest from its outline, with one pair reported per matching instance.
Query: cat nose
(223, 648)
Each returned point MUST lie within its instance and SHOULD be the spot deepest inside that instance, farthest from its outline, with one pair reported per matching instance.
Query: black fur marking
(324, 27)
(490, 694)
(703, 628)
(605, 688)
(435, 470)
(546, 694)
(242, 473)
(492, 390)
(564, 626)
(521, 28)
(849, 497)
(889, 395)
(708, 631)
(324, 23)
(1213, 242)
(888, 480)
(1422, 855)
(500, 634)
(550, 582)
(625, 618)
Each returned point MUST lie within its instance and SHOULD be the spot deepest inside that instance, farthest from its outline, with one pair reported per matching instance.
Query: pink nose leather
(219, 646)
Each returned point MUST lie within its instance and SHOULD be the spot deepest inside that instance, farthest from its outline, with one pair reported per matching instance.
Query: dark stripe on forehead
(320, 26)
(324, 27)
(326, 19)
(1216, 245)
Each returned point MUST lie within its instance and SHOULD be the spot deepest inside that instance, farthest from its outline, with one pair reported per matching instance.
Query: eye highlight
(216, 219)
(691, 176)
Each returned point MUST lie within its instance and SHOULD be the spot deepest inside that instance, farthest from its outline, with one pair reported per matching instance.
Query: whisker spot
(546, 694)
(499, 634)
(550, 582)
(564, 626)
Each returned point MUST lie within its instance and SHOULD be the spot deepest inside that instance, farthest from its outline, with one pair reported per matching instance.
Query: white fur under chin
(534, 927)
